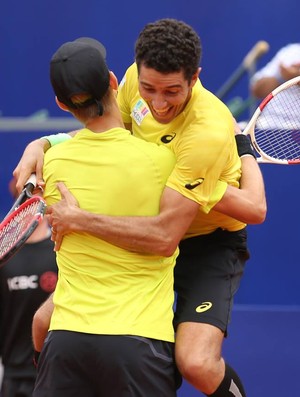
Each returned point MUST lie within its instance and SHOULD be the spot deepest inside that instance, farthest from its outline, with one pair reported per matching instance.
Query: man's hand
(61, 215)
(31, 161)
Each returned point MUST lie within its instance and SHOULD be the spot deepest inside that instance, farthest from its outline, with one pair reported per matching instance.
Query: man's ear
(61, 105)
(195, 77)
(113, 81)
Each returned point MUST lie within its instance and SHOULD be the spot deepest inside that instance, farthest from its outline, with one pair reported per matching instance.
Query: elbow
(258, 215)
(258, 219)
(261, 212)
(169, 251)
(167, 246)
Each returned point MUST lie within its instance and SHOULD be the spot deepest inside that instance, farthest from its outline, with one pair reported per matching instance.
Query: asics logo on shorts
(203, 307)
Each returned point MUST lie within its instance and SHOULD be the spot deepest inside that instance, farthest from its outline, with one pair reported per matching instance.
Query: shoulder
(155, 162)
(60, 146)
(130, 74)
(208, 109)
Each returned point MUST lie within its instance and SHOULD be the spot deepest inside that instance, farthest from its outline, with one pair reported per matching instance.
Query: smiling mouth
(161, 112)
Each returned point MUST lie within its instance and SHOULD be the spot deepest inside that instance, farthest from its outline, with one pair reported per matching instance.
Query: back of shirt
(104, 289)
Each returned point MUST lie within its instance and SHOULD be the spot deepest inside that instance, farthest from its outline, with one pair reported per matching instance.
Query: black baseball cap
(78, 67)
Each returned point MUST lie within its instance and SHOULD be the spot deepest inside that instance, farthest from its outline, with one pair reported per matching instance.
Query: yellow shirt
(103, 289)
(202, 139)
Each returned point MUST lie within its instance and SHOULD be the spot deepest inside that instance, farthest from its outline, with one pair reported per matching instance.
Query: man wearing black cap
(111, 331)
(69, 77)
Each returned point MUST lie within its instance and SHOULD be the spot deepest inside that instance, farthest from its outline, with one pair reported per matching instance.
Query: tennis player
(111, 331)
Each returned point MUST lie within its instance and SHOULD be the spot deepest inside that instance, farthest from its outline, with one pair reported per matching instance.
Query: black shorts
(75, 364)
(207, 275)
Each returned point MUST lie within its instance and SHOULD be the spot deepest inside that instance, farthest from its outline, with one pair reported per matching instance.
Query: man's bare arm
(162, 233)
(31, 161)
(247, 204)
(152, 234)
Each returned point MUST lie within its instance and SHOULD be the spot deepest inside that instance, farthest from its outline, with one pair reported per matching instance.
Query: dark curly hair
(169, 45)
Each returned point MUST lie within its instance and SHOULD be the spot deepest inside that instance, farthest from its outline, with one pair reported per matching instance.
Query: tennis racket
(274, 128)
(21, 221)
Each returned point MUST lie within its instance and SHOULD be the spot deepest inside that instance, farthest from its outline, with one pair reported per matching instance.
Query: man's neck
(109, 120)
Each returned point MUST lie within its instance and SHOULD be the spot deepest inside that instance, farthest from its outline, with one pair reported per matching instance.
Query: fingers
(39, 173)
(21, 175)
(62, 189)
(21, 178)
(38, 191)
(56, 238)
(57, 243)
(53, 236)
(66, 195)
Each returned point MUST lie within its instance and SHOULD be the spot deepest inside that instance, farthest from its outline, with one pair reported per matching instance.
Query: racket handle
(31, 183)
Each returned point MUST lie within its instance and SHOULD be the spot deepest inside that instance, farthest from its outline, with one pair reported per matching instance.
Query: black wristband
(244, 145)
(36, 356)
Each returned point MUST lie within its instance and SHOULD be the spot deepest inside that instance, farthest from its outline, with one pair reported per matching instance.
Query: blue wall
(228, 30)
(30, 31)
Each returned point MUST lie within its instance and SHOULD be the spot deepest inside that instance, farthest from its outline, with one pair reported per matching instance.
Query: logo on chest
(168, 138)
(139, 112)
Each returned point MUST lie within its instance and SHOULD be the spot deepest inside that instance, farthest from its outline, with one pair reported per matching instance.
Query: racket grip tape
(31, 180)
(244, 145)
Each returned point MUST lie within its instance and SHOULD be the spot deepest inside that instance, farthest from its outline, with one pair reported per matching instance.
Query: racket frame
(35, 220)
(250, 127)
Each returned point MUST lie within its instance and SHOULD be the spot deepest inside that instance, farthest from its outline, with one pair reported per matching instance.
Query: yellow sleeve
(124, 92)
(199, 166)
(216, 196)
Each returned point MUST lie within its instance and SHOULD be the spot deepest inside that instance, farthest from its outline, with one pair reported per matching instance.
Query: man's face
(165, 94)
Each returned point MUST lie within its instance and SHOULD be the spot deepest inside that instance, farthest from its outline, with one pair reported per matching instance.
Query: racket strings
(17, 226)
(277, 129)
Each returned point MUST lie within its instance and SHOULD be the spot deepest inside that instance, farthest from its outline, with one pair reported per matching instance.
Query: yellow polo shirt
(202, 139)
(104, 289)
